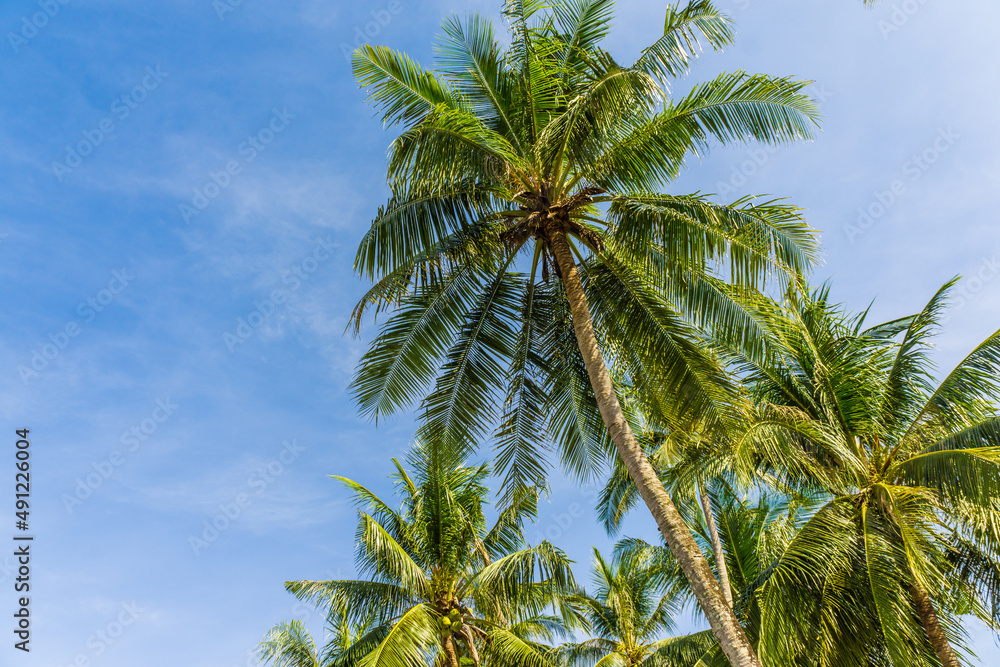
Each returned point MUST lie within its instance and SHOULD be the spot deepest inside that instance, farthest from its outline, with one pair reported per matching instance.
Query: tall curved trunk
(932, 626)
(707, 591)
(720, 554)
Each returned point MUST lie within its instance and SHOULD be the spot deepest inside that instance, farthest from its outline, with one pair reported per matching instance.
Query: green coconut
(454, 615)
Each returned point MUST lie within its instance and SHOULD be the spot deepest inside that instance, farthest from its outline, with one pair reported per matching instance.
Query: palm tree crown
(751, 534)
(443, 586)
(289, 644)
(507, 153)
(628, 615)
(910, 471)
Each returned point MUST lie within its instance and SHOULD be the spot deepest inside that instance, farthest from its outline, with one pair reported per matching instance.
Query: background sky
(163, 96)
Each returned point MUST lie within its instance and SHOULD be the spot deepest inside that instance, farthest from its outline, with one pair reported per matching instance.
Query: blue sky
(148, 390)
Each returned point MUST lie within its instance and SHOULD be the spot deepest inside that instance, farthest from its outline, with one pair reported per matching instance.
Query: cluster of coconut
(450, 623)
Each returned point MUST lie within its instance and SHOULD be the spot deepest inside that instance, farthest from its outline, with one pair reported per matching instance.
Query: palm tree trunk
(720, 555)
(932, 626)
(450, 653)
(726, 628)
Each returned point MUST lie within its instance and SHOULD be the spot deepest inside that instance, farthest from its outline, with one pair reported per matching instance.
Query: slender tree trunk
(932, 626)
(720, 555)
(706, 589)
(449, 650)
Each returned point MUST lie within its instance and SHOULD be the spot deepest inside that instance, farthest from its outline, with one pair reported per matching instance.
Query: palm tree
(630, 611)
(910, 471)
(747, 539)
(442, 586)
(289, 643)
(545, 160)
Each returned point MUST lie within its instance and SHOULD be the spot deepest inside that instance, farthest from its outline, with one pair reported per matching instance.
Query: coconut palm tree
(527, 243)
(442, 586)
(703, 476)
(630, 611)
(910, 471)
(289, 643)
(748, 537)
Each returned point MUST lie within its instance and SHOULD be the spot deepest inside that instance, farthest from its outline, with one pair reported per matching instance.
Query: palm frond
(683, 30)
(404, 91)
(288, 645)
(411, 642)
